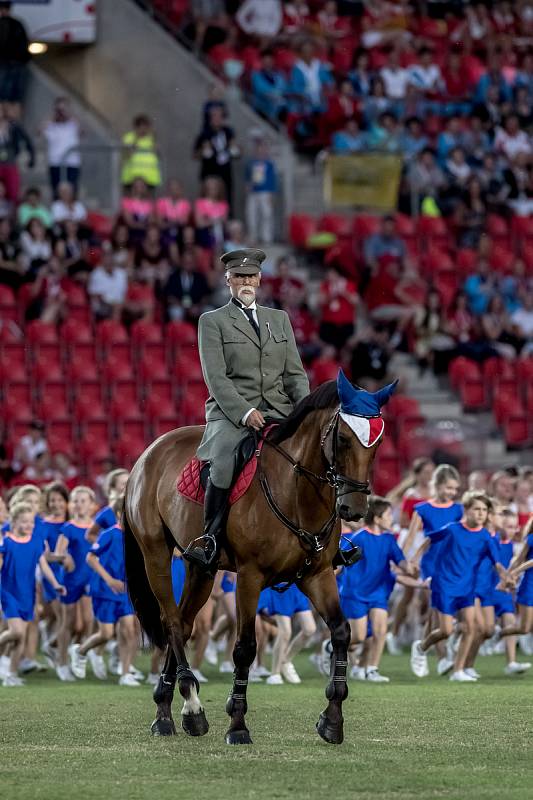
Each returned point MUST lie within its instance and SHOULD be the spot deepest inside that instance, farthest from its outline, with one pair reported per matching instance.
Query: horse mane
(324, 396)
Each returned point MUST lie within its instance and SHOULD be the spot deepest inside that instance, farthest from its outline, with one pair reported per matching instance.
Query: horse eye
(344, 441)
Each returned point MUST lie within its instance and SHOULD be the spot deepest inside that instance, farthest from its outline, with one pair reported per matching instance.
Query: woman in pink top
(137, 209)
(173, 211)
(211, 212)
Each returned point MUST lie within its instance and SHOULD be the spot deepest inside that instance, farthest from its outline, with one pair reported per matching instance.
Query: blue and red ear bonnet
(361, 410)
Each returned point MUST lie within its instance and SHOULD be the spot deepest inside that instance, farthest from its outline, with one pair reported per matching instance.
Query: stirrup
(196, 554)
(346, 558)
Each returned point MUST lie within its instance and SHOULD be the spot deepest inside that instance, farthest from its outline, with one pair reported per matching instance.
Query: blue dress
(525, 591)
(50, 530)
(433, 518)
(77, 581)
(20, 559)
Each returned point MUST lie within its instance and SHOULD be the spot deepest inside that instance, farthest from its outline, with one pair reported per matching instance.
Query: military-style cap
(245, 262)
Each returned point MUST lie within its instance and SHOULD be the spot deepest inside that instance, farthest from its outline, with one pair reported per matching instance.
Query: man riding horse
(253, 371)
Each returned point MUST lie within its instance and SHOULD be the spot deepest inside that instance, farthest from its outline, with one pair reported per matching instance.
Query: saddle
(193, 477)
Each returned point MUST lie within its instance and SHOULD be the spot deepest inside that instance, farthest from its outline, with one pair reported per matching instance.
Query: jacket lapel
(240, 322)
(263, 327)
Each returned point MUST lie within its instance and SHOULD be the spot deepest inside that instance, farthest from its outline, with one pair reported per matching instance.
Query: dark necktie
(250, 315)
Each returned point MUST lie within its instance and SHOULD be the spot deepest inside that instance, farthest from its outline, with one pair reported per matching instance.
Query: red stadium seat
(11, 370)
(15, 409)
(38, 332)
(143, 332)
(187, 372)
(75, 295)
(433, 231)
(73, 332)
(150, 370)
(405, 226)
(100, 224)
(127, 451)
(339, 224)
(504, 403)
(116, 368)
(124, 390)
(181, 334)
(516, 431)
(466, 261)
(96, 430)
(111, 334)
(473, 394)
(163, 425)
(497, 228)
(8, 305)
(524, 370)
(301, 228)
(158, 406)
(85, 409)
(47, 368)
(461, 369)
(365, 225)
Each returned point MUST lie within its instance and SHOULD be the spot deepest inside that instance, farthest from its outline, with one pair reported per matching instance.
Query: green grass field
(408, 739)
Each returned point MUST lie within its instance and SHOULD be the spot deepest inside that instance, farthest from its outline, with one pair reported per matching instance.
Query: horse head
(353, 442)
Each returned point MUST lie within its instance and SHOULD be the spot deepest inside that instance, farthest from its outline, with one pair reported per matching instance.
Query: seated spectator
(426, 178)
(140, 299)
(12, 263)
(153, 256)
(476, 142)
(173, 211)
(40, 472)
(7, 206)
(498, 328)
(376, 103)
(215, 147)
(494, 78)
(384, 243)
(338, 300)
(388, 296)
(235, 236)
(350, 139)
(511, 141)
(342, 105)
(492, 178)
(331, 26)
(296, 17)
(211, 213)
(35, 245)
(360, 75)
(66, 206)
(522, 320)
(29, 447)
(385, 134)
(121, 245)
(370, 357)
(303, 323)
(384, 25)
(32, 206)
(326, 366)
(269, 88)
(451, 137)
(433, 346)
(285, 284)
(186, 290)
(513, 285)
(395, 78)
(413, 139)
(310, 82)
(261, 186)
(262, 18)
(47, 299)
(141, 158)
(137, 208)
(456, 86)
(522, 107)
(470, 216)
(203, 257)
(459, 321)
(107, 287)
(65, 470)
(458, 172)
(62, 135)
(426, 78)
(13, 139)
(72, 249)
(480, 287)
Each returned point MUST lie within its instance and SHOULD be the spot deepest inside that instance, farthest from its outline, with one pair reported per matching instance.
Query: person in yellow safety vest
(141, 159)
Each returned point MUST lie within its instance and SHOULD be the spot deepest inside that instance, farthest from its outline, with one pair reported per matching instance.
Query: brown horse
(284, 528)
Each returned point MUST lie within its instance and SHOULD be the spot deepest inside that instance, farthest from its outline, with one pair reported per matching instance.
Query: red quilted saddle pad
(189, 481)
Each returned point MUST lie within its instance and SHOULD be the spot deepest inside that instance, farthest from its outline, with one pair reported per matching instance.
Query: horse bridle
(313, 543)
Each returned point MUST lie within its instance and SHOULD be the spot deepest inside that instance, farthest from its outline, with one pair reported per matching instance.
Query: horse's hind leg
(248, 588)
(322, 591)
(163, 724)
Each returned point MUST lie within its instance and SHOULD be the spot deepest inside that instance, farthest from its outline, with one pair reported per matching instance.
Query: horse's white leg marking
(192, 705)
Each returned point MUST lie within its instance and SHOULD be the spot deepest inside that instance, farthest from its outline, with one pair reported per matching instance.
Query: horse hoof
(329, 731)
(238, 737)
(163, 727)
(195, 724)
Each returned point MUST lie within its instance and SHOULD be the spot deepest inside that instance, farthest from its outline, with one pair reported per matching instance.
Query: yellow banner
(369, 180)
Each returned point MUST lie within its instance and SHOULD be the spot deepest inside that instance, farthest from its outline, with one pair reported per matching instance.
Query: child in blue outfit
(21, 551)
(284, 607)
(261, 184)
(464, 545)
(523, 564)
(111, 603)
(365, 587)
(114, 487)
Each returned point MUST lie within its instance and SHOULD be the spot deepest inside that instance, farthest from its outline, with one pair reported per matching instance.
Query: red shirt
(337, 309)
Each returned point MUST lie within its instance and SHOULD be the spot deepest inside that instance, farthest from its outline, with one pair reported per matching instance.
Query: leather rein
(312, 543)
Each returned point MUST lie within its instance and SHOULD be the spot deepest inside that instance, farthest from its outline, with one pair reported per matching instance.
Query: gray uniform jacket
(244, 372)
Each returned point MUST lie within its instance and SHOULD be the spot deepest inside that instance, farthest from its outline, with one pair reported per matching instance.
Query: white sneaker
(326, 653)
(260, 670)
(253, 675)
(517, 667)
(30, 665)
(525, 641)
(113, 663)
(5, 666)
(419, 660)
(393, 646)
(211, 655)
(152, 679)
(358, 673)
(137, 674)
(461, 677)
(198, 675)
(373, 675)
(64, 674)
(128, 680)
(289, 673)
(226, 667)
(275, 679)
(444, 666)
(473, 673)
(314, 659)
(97, 665)
(11, 681)
(78, 663)
(450, 647)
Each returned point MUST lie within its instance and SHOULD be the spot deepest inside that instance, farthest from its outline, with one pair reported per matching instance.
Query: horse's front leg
(323, 593)
(248, 589)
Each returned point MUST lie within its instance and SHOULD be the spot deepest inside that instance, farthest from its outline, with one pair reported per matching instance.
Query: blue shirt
(433, 517)
(525, 590)
(370, 578)
(261, 175)
(109, 548)
(106, 517)
(20, 559)
(460, 555)
(78, 547)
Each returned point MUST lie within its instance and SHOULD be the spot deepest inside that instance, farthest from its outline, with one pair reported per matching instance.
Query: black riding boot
(204, 551)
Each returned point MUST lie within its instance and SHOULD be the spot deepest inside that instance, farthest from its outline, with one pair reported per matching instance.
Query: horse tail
(141, 595)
